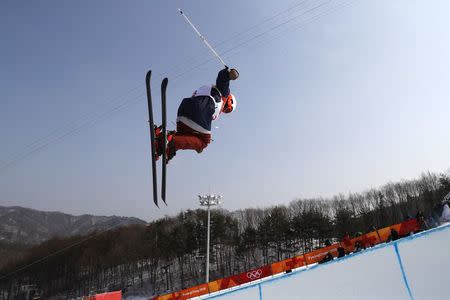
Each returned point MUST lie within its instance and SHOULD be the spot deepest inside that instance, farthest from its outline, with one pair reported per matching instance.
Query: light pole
(208, 200)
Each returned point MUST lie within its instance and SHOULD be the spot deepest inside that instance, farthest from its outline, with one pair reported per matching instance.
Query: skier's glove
(234, 74)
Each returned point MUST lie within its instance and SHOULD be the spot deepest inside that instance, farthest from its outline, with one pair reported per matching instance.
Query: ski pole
(203, 38)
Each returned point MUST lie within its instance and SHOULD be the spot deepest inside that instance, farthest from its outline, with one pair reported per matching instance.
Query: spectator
(445, 217)
(341, 252)
(366, 242)
(393, 236)
(421, 220)
(346, 240)
(327, 258)
(431, 221)
(437, 213)
(358, 246)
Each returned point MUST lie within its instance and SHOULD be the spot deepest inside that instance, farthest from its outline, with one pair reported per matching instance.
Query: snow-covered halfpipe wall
(414, 267)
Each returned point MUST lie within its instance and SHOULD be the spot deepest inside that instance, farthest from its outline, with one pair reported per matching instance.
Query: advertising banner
(255, 274)
(367, 240)
(223, 283)
(318, 255)
(106, 296)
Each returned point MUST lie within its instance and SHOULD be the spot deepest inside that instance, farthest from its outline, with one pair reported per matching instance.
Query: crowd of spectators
(440, 214)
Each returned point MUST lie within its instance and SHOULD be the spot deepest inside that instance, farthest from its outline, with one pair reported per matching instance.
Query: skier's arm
(223, 82)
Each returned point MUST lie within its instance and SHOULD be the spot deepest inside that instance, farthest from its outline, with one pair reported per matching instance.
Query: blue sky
(340, 103)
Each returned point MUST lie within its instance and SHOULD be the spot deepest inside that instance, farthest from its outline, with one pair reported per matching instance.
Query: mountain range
(29, 226)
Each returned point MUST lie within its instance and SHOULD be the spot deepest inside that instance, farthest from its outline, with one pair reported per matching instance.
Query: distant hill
(29, 226)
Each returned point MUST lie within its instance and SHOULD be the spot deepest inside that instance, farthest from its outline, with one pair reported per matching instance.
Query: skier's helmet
(229, 103)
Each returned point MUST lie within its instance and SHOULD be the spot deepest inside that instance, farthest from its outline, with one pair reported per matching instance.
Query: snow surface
(415, 267)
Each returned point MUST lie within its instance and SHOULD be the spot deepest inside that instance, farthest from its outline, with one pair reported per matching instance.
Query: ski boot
(170, 147)
(158, 140)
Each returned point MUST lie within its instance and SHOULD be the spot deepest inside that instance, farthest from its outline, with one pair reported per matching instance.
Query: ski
(164, 133)
(152, 136)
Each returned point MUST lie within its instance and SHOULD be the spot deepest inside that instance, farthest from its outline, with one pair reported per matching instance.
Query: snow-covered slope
(415, 267)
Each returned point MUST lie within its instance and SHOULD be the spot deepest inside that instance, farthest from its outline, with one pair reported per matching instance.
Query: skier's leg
(188, 142)
(186, 138)
(206, 139)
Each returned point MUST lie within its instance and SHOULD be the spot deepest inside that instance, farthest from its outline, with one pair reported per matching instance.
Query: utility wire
(276, 27)
(73, 128)
(90, 237)
(291, 9)
(296, 26)
(224, 52)
(73, 131)
(121, 107)
(71, 125)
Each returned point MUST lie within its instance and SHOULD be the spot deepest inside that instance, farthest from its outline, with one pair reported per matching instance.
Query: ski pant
(187, 138)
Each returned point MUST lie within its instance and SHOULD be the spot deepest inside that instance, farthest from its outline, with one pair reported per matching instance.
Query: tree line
(168, 254)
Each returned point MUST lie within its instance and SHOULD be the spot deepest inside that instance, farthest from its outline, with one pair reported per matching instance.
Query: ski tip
(165, 82)
(179, 9)
(149, 74)
(155, 200)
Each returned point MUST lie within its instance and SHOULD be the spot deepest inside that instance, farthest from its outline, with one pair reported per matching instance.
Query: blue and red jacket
(205, 105)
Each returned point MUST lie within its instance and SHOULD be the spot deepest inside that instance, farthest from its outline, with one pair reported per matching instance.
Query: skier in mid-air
(195, 115)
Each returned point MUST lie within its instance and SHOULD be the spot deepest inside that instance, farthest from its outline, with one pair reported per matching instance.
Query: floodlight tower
(209, 200)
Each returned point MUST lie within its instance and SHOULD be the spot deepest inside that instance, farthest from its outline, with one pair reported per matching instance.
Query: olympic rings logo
(252, 275)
